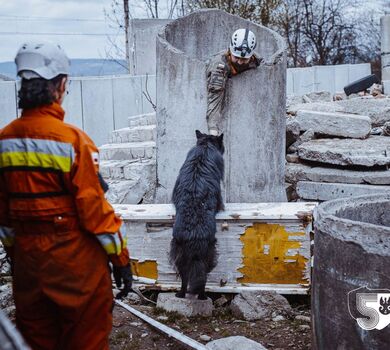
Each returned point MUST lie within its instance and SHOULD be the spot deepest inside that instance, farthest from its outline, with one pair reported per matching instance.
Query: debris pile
(337, 148)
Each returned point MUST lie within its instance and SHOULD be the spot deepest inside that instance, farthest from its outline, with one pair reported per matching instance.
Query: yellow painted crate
(261, 246)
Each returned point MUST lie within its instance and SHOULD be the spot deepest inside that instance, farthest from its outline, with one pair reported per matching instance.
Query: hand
(122, 274)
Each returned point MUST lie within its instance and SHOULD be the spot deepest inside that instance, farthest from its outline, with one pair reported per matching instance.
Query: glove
(122, 274)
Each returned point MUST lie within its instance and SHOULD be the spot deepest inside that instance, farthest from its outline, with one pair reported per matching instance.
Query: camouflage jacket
(219, 69)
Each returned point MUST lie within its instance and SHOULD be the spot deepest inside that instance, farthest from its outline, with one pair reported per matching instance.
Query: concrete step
(128, 151)
(125, 169)
(134, 134)
(142, 119)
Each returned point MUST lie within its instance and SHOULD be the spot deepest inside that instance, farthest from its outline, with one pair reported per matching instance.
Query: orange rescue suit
(54, 222)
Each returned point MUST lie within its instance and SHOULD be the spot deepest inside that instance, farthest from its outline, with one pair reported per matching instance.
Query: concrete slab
(319, 191)
(234, 343)
(134, 134)
(334, 124)
(369, 152)
(301, 172)
(185, 306)
(128, 151)
(142, 119)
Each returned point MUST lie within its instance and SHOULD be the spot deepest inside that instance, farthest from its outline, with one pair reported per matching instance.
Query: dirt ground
(131, 333)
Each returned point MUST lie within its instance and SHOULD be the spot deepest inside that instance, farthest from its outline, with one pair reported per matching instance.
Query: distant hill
(78, 67)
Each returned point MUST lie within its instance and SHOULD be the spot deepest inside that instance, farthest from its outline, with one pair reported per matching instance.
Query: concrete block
(377, 109)
(128, 151)
(303, 80)
(324, 78)
(185, 306)
(127, 98)
(334, 124)
(386, 87)
(234, 343)
(257, 305)
(73, 104)
(256, 119)
(341, 72)
(358, 71)
(372, 151)
(98, 89)
(8, 105)
(300, 172)
(142, 119)
(134, 134)
(385, 47)
(327, 191)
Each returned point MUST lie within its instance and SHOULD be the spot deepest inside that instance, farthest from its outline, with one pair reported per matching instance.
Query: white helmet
(243, 43)
(41, 60)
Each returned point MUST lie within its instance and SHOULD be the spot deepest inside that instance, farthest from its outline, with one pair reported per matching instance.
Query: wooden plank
(256, 212)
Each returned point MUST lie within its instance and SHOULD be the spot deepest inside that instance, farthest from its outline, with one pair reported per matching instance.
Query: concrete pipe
(254, 106)
(351, 278)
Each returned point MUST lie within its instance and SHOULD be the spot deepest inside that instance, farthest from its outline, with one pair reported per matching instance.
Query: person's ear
(63, 85)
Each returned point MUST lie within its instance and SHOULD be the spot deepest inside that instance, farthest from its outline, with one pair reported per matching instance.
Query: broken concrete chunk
(185, 306)
(300, 172)
(256, 305)
(306, 136)
(292, 131)
(319, 96)
(234, 343)
(386, 129)
(372, 151)
(319, 191)
(334, 124)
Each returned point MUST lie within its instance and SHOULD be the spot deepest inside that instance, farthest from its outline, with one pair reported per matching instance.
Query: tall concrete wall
(254, 107)
(385, 51)
(98, 105)
(142, 45)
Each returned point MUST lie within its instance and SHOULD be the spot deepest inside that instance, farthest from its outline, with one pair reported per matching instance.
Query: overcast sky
(30, 16)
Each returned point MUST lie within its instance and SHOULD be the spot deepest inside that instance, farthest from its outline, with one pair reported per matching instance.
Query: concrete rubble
(187, 307)
(128, 163)
(234, 343)
(335, 124)
(342, 149)
(257, 305)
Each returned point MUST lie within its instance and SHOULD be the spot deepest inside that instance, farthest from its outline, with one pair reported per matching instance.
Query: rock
(292, 100)
(369, 152)
(303, 318)
(133, 298)
(184, 306)
(278, 318)
(375, 90)
(306, 136)
(162, 318)
(221, 301)
(256, 305)
(377, 109)
(386, 129)
(292, 131)
(376, 131)
(234, 343)
(319, 96)
(319, 191)
(300, 172)
(144, 335)
(334, 124)
(205, 337)
(292, 158)
(339, 96)
(304, 327)
(136, 324)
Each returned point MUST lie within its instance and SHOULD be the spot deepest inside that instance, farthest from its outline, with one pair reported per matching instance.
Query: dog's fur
(197, 198)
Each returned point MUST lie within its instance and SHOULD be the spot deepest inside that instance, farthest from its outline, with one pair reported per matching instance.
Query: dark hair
(38, 92)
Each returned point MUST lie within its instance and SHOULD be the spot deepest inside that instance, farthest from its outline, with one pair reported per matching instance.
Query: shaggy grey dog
(197, 198)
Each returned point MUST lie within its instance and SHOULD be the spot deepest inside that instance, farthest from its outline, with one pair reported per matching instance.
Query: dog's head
(217, 141)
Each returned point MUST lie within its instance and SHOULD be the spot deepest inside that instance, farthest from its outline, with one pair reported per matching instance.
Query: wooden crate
(261, 246)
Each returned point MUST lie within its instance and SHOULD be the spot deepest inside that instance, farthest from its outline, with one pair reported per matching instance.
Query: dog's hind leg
(184, 282)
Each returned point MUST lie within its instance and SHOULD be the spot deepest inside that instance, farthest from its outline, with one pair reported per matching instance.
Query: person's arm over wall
(96, 215)
(217, 75)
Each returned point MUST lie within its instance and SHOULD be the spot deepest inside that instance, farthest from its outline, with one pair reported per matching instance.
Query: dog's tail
(197, 276)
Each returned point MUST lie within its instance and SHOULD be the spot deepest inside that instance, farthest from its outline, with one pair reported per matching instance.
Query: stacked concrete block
(385, 52)
(128, 163)
(335, 154)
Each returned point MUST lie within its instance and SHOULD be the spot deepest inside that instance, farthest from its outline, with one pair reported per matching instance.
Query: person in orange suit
(58, 229)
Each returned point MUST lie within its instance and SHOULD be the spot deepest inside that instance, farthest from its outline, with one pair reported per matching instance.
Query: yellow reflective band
(7, 236)
(34, 159)
(111, 243)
